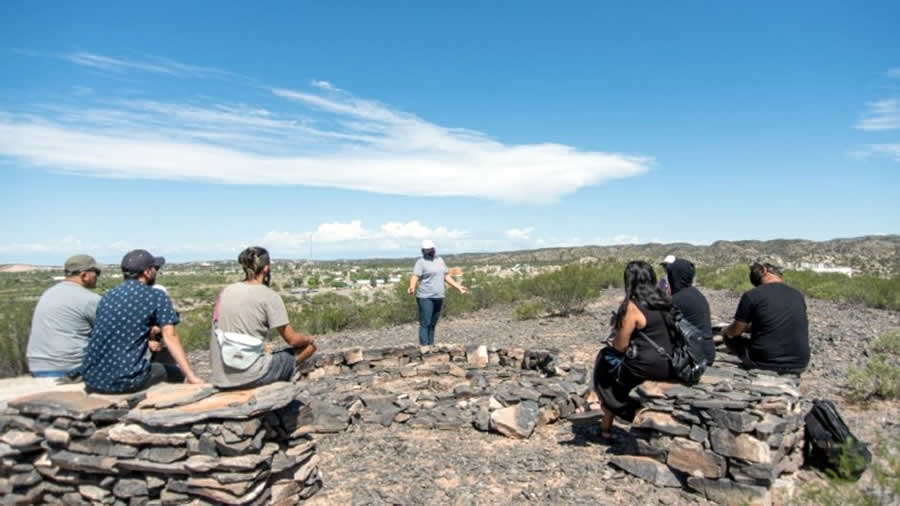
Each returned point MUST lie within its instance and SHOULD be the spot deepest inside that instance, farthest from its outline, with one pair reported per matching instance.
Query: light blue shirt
(431, 278)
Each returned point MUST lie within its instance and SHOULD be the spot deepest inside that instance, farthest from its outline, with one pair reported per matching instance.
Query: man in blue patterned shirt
(118, 355)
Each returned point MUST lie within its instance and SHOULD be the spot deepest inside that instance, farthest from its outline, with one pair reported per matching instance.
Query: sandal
(586, 417)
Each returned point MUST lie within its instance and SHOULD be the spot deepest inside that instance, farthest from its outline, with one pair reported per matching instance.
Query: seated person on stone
(690, 301)
(250, 308)
(645, 314)
(63, 320)
(118, 355)
(775, 315)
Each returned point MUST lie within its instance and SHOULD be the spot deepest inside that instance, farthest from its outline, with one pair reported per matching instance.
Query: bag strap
(659, 349)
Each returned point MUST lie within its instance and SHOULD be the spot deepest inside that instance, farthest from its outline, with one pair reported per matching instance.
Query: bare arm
(302, 343)
(452, 282)
(413, 281)
(173, 343)
(633, 321)
(735, 329)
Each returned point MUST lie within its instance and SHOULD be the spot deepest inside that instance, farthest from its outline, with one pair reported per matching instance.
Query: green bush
(195, 328)
(327, 312)
(880, 377)
(569, 289)
(528, 310)
(15, 326)
(867, 290)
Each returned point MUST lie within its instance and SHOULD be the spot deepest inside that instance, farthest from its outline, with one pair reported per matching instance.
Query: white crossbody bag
(239, 351)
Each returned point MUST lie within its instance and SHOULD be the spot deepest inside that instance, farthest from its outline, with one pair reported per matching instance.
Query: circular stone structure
(440, 387)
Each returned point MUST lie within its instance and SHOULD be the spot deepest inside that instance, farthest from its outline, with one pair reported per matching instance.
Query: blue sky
(195, 130)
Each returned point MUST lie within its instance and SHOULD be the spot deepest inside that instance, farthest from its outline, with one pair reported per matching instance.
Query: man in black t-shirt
(775, 315)
(687, 298)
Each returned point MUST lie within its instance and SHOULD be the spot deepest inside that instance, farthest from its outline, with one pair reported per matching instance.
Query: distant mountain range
(877, 255)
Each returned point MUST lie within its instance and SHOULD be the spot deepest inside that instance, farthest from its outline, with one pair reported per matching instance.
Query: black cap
(140, 260)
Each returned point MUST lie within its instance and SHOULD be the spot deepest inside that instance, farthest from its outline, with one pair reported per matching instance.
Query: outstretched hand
(463, 289)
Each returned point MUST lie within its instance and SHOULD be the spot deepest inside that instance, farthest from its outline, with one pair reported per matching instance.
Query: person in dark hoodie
(693, 305)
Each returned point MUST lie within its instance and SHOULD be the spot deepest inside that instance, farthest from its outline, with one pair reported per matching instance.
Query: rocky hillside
(876, 255)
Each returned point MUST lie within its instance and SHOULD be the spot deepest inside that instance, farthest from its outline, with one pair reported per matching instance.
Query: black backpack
(830, 446)
(688, 360)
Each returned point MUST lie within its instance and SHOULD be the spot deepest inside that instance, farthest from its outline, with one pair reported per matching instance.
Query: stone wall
(735, 438)
(175, 444)
(509, 391)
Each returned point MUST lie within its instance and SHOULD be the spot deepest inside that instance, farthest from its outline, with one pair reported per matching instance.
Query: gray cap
(140, 260)
(80, 263)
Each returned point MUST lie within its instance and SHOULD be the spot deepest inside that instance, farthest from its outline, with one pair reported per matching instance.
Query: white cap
(427, 244)
(669, 259)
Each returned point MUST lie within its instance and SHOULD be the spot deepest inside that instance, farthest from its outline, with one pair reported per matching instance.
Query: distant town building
(821, 267)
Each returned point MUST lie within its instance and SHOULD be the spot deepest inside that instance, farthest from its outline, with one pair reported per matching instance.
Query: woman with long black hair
(645, 314)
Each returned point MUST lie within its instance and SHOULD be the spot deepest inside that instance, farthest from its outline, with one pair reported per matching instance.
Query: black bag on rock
(829, 442)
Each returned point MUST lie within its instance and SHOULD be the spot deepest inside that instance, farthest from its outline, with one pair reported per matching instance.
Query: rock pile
(735, 438)
(175, 444)
(441, 387)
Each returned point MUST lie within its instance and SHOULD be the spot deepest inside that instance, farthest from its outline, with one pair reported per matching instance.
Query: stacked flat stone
(735, 438)
(509, 391)
(176, 444)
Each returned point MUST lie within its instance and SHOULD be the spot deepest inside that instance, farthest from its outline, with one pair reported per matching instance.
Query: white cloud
(519, 233)
(324, 137)
(624, 239)
(881, 115)
(390, 235)
(889, 150)
(67, 244)
(323, 85)
(156, 65)
(894, 73)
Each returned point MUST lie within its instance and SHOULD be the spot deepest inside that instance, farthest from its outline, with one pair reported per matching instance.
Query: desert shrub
(880, 377)
(327, 312)
(15, 326)
(569, 289)
(195, 328)
(867, 290)
(528, 310)
(735, 278)
(882, 490)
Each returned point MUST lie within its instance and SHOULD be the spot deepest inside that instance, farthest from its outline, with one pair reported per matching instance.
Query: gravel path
(400, 465)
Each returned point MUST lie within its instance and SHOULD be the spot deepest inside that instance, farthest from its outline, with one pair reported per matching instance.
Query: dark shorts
(281, 369)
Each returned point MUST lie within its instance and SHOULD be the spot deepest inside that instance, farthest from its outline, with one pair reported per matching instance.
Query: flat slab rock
(234, 405)
(77, 405)
(170, 395)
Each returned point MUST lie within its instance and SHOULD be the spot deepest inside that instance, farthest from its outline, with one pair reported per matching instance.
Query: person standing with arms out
(63, 320)
(427, 283)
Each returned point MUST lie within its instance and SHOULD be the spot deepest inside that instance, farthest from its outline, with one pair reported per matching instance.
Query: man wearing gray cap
(63, 320)
(118, 355)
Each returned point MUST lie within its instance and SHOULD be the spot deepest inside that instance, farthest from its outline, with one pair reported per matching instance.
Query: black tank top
(648, 363)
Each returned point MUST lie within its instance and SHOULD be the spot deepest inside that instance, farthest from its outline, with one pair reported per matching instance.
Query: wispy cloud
(890, 150)
(155, 65)
(323, 85)
(323, 136)
(389, 235)
(894, 73)
(881, 115)
(519, 233)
